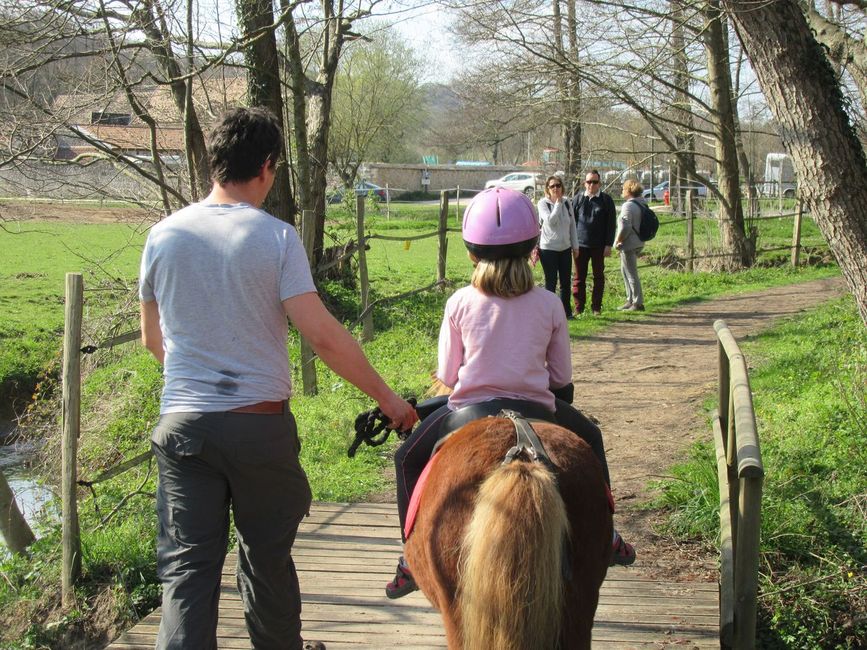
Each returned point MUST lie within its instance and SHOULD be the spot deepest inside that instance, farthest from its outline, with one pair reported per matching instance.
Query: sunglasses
(554, 186)
(592, 182)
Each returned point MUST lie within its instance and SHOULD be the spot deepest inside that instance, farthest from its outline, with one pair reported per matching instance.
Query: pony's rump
(493, 544)
(519, 525)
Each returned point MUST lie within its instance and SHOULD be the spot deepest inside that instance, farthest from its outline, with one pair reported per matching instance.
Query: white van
(779, 179)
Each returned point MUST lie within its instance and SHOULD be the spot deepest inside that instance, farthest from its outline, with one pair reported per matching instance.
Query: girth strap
(527, 442)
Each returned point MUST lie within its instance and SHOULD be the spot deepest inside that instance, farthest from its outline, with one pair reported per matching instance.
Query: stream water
(34, 499)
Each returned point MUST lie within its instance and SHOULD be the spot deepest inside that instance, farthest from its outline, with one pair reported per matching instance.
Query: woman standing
(627, 241)
(557, 240)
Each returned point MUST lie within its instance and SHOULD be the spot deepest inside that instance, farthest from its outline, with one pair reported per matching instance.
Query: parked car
(362, 188)
(657, 192)
(525, 182)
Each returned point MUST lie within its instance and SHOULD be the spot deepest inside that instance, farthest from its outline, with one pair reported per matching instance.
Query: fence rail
(741, 475)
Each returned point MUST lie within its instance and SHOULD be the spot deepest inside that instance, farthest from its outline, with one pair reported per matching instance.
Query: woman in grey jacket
(627, 241)
(557, 240)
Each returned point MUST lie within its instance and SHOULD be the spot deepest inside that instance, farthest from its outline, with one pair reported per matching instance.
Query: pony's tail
(511, 585)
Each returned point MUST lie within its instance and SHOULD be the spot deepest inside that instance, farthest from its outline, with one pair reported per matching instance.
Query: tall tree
(266, 89)
(827, 155)
(731, 216)
(377, 100)
(312, 73)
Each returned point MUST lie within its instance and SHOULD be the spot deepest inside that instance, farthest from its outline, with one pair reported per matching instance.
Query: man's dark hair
(595, 172)
(241, 142)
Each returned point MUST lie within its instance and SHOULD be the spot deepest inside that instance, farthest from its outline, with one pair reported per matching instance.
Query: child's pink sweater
(493, 347)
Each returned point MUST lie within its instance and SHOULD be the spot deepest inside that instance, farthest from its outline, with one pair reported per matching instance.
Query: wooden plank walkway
(345, 553)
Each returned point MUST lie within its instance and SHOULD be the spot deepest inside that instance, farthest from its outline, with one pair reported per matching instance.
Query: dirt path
(670, 361)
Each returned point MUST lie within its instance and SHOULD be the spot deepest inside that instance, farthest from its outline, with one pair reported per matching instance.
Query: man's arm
(151, 334)
(341, 352)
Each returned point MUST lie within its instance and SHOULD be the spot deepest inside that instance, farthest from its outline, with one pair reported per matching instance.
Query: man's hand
(400, 412)
(607, 251)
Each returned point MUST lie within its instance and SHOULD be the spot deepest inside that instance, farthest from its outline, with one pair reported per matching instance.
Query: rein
(372, 428)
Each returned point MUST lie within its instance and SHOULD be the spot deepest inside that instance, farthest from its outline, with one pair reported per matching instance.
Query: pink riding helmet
(500, 223)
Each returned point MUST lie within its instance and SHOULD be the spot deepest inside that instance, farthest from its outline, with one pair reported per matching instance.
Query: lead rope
(372, 428)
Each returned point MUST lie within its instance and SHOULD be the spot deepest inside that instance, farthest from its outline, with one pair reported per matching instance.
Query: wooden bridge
(345, 553)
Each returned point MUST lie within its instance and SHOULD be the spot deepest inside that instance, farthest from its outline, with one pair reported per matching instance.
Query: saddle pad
(416, 497)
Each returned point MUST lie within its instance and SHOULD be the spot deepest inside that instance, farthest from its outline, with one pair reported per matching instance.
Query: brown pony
(512, 555)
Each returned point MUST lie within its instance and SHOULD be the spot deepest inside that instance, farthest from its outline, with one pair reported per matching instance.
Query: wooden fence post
(796, 233)
(367, 321)
(458, 205)
(13, 526)
(308, 363)
(387, 203)
(443, 236)
(71, 540)
(690, 233)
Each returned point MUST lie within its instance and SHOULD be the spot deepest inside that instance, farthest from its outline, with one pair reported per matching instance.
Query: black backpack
(649, 222)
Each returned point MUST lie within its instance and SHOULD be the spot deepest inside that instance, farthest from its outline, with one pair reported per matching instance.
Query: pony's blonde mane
(520, 605)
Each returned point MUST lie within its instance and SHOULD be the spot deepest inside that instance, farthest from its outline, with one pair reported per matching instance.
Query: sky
(426, 30)
(425, 27)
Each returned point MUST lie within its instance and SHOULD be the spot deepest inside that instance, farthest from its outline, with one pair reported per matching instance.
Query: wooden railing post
(442, 249)
(690, 233)
(796, 233)
(71, 540)
(367, 321)
(308, 357)
(741, 475)
(387, 203)
(458, 205)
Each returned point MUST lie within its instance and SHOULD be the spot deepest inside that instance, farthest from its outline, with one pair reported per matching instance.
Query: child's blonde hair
(506, 277)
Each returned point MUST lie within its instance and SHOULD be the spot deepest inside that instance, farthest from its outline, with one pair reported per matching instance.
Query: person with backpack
(628, 241)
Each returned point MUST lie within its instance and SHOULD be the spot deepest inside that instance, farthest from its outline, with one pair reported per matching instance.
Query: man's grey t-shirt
(219, 274)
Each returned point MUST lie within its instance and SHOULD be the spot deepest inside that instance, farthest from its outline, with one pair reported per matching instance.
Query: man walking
(595, 222)
(218, 280)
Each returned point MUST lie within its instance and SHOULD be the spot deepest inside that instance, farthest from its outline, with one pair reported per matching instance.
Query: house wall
(99, 180)
(408, 178)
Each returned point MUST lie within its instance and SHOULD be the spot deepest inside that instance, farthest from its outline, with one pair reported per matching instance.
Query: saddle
(519, 411)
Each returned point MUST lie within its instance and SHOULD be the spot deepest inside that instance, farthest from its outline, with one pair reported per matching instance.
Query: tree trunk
(683, 117)
(298, 86)
(319, 96)
(735, 244)
(572, 139)
(13, 527)
(265, 90)
(194, 139)
(827, 156)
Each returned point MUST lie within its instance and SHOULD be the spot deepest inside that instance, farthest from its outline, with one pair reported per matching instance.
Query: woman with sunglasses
(558, 240)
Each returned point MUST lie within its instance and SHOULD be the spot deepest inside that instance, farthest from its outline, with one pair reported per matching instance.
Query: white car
(525, 182)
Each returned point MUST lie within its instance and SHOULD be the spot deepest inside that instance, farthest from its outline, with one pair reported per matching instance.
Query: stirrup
(403, 582)
(622, 552)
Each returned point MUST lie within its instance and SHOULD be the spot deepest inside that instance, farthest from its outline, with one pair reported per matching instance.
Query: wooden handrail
(741, 475)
